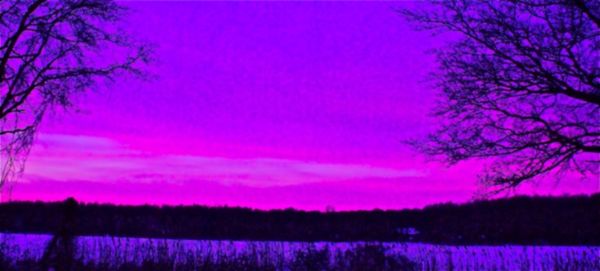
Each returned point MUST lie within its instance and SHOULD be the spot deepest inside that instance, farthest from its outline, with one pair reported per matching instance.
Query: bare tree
(519, 85)
(50, 50)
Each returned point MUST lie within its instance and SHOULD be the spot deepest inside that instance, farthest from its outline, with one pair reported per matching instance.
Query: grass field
(26, 251)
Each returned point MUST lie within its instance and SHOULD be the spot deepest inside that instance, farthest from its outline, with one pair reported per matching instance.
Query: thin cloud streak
(76, 157)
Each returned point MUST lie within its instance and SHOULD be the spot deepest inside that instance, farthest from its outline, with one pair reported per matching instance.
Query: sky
(265, 105)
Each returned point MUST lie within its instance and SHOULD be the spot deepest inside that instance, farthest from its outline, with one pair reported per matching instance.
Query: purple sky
(265, 105)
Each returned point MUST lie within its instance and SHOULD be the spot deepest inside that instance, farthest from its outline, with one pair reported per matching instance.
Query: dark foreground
(520, 220)
(357, 258)
(35, 252)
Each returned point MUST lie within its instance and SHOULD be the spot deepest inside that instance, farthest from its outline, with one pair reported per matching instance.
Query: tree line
(518, 220)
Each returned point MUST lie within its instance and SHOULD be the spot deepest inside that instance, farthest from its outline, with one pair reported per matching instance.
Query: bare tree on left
(49, 51)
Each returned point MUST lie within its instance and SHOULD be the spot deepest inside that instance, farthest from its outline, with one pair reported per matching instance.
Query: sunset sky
(264, 105)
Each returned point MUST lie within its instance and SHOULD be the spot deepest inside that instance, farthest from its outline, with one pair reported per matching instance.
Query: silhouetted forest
(518, 220)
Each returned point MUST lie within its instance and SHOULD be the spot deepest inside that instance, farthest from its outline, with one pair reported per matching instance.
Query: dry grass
(152, 254)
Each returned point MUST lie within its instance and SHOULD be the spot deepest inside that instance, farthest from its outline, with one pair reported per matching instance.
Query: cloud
(76, 143)
(75, 157)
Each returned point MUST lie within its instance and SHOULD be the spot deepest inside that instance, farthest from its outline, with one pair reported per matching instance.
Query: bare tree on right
(520, 86)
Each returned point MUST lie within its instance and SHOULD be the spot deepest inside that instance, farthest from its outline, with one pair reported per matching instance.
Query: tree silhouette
(50, 50)
(519, 85)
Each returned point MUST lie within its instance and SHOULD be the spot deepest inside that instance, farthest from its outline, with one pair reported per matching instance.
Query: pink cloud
(70, 157)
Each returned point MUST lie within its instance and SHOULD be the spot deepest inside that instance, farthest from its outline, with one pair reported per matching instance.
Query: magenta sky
(266, 105)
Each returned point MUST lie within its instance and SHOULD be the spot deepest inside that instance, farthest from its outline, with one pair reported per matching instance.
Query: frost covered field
(116, 252)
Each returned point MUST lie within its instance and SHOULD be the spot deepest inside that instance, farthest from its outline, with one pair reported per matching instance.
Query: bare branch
(521, 87)
(53, 50)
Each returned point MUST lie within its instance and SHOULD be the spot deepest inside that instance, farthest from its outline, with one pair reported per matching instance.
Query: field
(25, 251)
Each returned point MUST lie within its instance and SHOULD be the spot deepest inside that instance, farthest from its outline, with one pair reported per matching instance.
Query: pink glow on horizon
(94, 169)
(264, 105)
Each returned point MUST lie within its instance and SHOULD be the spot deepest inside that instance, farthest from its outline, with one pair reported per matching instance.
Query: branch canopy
(519, 87)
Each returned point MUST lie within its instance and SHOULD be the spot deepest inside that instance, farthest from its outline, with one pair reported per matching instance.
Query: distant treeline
(518, 220)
